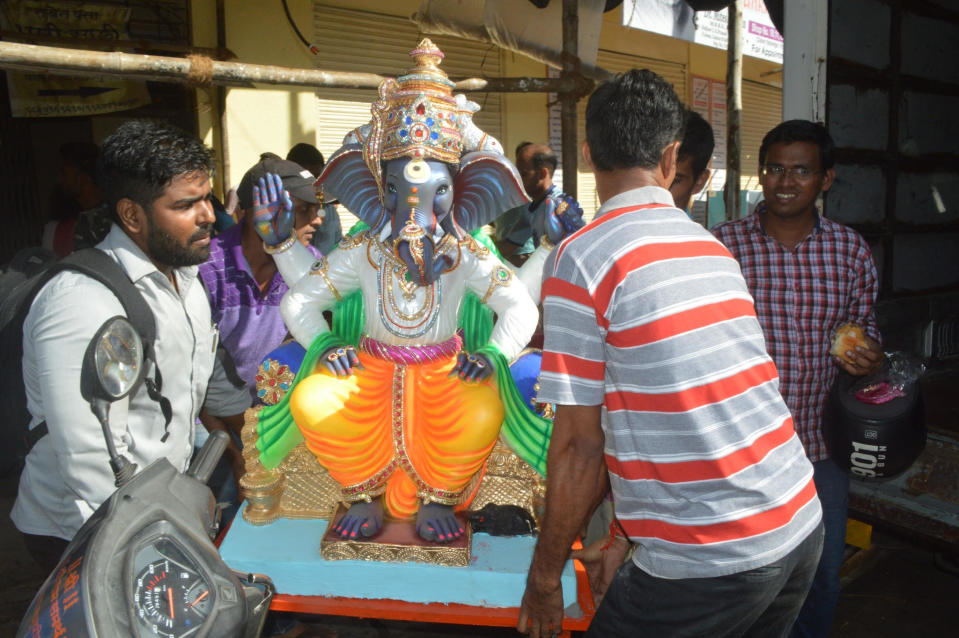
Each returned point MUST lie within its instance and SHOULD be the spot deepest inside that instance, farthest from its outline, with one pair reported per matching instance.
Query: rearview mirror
(113, 364)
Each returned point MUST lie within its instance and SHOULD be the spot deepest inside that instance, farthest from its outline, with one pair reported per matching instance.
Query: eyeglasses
(799, 173)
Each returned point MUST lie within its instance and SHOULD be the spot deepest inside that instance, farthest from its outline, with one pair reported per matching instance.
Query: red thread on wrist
(615, 529)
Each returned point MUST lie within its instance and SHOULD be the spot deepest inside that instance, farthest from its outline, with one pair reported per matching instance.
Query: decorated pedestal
(283, 531)
(288, 551)
(300, 488)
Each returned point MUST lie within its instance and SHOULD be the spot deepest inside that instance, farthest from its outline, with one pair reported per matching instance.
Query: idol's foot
(362, 519)
(436, 522)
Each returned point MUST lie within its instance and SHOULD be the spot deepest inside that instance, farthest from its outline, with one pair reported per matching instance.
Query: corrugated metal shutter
(673, 72)
(374, 43)
(762, 110)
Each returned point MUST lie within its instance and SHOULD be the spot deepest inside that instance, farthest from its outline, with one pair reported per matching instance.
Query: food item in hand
(845, 339)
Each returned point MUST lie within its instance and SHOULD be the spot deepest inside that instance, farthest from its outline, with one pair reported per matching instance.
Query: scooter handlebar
(209, 455)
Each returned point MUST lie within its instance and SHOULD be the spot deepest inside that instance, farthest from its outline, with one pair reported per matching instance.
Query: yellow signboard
(43, 95)
(75, 20)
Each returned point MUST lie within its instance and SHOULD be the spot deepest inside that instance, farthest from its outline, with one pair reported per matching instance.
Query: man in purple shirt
(241, 279)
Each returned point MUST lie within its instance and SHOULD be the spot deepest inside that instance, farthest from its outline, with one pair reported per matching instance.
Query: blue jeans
(815, 618)
(758, 602)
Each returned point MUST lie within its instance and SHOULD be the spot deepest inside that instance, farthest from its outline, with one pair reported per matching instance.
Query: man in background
(78, 170)
(245, 289)
(692, 167)
(241, 278)
(514, 234)
(330, 232)
(80, 218)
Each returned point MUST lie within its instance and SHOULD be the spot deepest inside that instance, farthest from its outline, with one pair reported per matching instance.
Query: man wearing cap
(330, 232)
(241, 279)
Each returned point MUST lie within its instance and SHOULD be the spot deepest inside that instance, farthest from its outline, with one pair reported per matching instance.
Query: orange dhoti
(409, 432)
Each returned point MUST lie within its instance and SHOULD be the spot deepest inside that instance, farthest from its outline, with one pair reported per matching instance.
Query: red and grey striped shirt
(802, 296)
(647, 315)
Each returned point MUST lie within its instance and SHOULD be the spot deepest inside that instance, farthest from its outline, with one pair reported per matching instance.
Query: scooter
(144, 563)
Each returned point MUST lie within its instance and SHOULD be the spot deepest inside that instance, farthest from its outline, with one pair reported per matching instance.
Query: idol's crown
(420, 117)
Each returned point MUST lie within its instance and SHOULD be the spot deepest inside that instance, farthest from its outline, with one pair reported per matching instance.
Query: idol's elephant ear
(347, 178)
(486, 186)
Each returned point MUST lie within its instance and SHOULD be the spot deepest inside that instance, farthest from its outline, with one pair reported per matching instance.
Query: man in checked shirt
(808, 275)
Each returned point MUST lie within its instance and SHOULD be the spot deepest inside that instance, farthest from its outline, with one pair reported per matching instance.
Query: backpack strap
(229, 367)
(33, 435)
(97, 265)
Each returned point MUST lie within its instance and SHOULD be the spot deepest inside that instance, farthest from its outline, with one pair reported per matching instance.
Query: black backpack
(27, 273)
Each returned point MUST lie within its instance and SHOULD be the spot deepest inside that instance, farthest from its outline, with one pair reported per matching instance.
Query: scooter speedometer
(171, 596)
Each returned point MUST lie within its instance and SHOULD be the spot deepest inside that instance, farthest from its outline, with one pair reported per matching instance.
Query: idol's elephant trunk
(416, 248)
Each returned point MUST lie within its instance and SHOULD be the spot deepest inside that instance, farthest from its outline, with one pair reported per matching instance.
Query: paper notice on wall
(709, 100)
(46, 95)
(677, 19)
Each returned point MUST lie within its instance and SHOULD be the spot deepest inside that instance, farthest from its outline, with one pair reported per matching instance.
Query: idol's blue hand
(472, 367)
(340, 360)
(272, 210)
(546, 223)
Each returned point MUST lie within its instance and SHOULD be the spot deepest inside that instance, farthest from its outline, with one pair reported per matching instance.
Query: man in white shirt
(156, 180)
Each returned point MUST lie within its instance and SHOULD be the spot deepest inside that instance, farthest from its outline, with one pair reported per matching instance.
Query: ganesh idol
(402, 401)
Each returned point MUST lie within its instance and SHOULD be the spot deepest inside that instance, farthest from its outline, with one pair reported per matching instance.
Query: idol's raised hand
(556, 219)
(546, 223)
(272, 210)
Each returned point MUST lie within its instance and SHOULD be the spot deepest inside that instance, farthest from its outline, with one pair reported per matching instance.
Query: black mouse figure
(502, 520)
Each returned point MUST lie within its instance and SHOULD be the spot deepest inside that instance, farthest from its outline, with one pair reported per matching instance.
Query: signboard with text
(45, 95)
(709, 100)
(677, 19)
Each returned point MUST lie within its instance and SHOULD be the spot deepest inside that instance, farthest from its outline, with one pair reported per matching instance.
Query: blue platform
(288, 551)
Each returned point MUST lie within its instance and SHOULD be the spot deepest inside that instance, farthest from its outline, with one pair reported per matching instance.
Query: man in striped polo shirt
(664, 393)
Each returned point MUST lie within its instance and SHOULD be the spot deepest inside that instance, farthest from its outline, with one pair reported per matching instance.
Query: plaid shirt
(801, 297)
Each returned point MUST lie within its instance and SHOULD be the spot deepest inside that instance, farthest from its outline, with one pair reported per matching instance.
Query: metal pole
(522, 85)
(568, 99)
(804, 59)
(220, 94)
(64, 61)
(734, 108)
